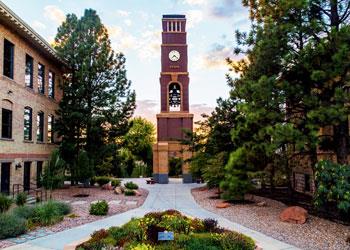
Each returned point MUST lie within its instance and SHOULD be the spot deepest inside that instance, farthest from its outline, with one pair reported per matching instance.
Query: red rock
(294, 214)
(137, 193)
(223, 205)
(107, 186)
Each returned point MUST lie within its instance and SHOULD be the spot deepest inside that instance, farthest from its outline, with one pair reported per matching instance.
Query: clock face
(174, 55)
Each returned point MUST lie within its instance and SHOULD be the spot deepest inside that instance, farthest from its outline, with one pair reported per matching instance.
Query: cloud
(225, 8)
(149, 44)
(150, 108)
(194, 17)
(196, 2)
(38, 25)
(123, 13)
(128, 22)
(215, 57)
(54, 14)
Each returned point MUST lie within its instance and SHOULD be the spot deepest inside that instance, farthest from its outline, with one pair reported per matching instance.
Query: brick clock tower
(174, 116)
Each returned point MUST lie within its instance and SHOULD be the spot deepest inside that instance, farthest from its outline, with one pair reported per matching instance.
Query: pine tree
(97, 100)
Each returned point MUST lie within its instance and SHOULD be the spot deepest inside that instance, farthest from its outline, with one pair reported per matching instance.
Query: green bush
(203, 241)
(5, 203)
(11, 226)
(25, 212)
(115, 183)
(99, 208)
(21, 199)
(50, 213)
(333, 185)
(131, 185)
(62, 207)
(236, 241)
(102, 180)
(129, 192)
(118, 234)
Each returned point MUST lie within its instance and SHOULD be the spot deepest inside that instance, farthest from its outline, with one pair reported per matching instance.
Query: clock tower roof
(173, 16)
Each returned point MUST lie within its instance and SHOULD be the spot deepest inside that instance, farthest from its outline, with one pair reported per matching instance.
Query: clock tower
(174, 117)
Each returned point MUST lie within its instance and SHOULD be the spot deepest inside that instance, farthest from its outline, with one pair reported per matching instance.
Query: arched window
(6, 119)
(174, 97)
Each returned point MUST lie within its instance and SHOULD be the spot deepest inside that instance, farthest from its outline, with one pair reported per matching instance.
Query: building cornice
(26, 31)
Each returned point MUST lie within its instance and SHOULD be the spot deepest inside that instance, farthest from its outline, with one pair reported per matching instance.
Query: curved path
(174, 195)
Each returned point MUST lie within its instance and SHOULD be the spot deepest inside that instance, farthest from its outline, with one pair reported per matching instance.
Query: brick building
(30, 74)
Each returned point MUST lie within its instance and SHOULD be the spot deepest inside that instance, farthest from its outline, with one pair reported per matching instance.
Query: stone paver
(131, 203)
(79, 202)
(161, 197)
(115, 202)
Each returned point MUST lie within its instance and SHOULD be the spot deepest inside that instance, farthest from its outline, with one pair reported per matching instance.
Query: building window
(40, 127)
(174, 97)
(27, 124)
(28, 78)
(51, 84)
(50, 129)
(41, 78)
(8, 58)
(6, 121)
(307, 183)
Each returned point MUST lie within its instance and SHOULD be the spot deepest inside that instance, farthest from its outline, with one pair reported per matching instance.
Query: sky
(135, 30)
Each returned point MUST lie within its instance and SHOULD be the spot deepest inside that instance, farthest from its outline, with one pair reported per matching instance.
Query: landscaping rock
(137, 193)
(107, 186)
(118, 190)
(261, 204)
(295, 214)
(223, 205)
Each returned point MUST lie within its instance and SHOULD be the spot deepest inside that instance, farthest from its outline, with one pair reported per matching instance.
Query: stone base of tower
(162, 152)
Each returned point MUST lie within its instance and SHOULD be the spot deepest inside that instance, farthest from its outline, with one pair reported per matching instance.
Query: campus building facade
(30, 74)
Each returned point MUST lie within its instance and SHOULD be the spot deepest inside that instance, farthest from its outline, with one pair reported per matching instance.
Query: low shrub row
(22, 218)
(189, 234)
(131, 185)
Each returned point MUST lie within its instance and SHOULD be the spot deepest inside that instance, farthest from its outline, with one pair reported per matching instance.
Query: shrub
(24, 212)
(236, 241)
(21, 199)
(119, 234)
(62, 207)
(131, 185)
(5, 203)
(133, 229)
(333, 185)
(210, 225)
(99, 208)
(115, 183)
(49, 213)
(102, 180)
(129, 192)
(139, 246)
(204, 241)
(11, 226)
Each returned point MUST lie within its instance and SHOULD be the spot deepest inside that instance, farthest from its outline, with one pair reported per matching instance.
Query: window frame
(51, 87)
(50, 128)
(41, 78)
(40, 126)
(9, 124)
(10, 60)
(30, 60)
(30, 124)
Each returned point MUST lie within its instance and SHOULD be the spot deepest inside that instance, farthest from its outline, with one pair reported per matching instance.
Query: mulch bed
(315, 234)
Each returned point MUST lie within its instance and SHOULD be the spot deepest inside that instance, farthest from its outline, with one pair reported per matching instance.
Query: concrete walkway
(174, 195)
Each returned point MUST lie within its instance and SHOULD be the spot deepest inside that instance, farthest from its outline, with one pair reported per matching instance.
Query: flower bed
(142, 233)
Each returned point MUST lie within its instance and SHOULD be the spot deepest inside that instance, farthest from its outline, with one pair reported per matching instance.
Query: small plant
(131, 185)
(50, 213)
(11, 226)
(129, 192)
(210, 225)
(239, 241)
(115, 183)
(25, 212)
(99, 208)
(21, 199)
(5, 203)
(102, 180)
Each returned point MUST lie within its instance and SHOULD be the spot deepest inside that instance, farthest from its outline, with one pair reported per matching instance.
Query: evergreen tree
(97, 100)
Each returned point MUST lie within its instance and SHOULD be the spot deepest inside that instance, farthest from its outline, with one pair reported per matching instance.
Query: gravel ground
(316, 233)
(80, 206)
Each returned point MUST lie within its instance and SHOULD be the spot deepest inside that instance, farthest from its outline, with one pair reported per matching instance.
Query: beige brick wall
(14, 93)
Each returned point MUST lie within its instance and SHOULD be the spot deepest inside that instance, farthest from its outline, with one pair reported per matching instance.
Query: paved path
(161, 197)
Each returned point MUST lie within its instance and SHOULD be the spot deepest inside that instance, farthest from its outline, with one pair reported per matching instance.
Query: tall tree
(97, 100)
